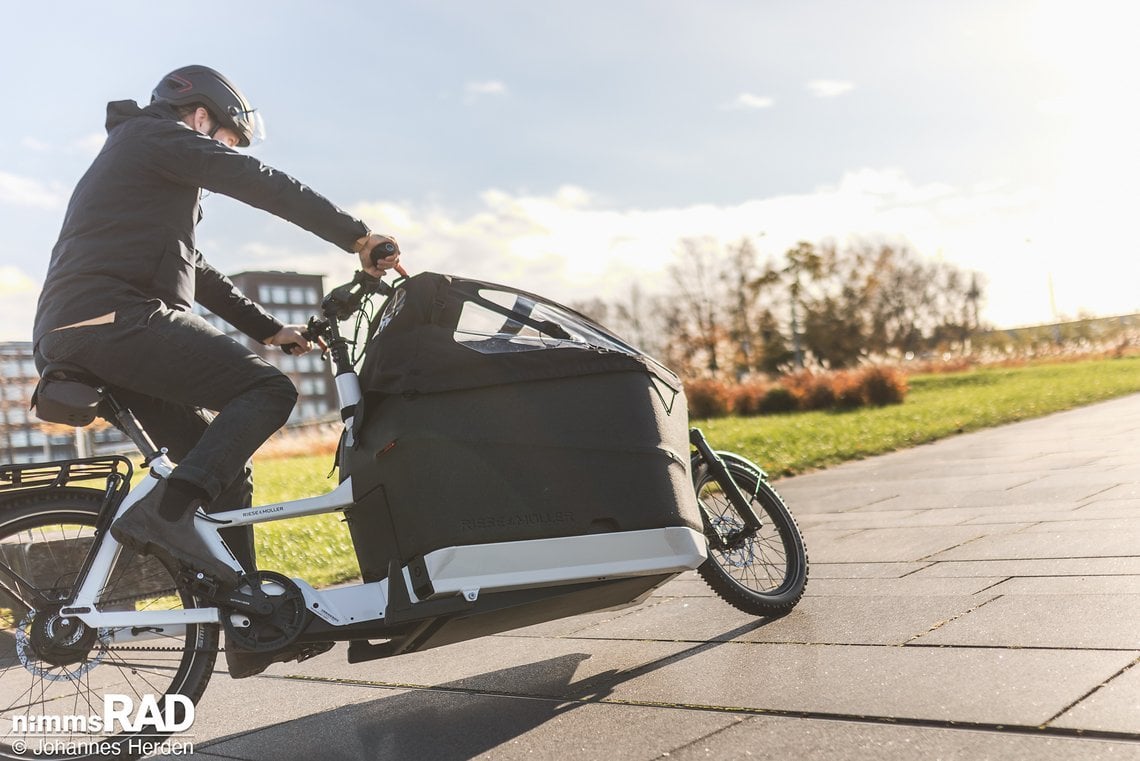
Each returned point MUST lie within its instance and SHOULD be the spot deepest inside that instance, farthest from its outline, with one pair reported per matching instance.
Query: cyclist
(117, 302)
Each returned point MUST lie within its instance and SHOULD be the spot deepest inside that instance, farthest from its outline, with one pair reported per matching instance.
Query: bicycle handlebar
(341, 303)
(315, 328)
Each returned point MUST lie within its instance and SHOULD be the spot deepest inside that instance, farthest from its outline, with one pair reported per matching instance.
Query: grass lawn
(937, 406)
(318, 548)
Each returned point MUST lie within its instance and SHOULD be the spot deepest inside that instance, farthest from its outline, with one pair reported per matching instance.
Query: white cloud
(749, 102)
(14, 282)
(89, 144)
(35, 144)
(18, 295)
(473, 91)
(25, 191)
(829, 88)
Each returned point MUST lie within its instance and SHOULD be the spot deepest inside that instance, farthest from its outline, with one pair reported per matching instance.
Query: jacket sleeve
(217, 293)
(198, 160)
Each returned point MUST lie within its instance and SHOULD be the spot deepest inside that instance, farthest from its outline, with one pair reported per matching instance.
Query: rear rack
(54, 475)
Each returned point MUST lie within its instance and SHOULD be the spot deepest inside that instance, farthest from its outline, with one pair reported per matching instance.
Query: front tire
(764, 574)
(53, 666)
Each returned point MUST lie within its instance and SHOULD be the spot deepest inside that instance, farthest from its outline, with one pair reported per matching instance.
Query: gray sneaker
(175, 543)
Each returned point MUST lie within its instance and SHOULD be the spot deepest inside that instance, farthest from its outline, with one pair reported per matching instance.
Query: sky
(567, 148)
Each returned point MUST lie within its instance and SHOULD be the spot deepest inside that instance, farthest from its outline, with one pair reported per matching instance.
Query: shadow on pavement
(456, 720)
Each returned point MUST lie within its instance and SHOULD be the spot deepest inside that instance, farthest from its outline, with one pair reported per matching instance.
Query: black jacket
(128, 235)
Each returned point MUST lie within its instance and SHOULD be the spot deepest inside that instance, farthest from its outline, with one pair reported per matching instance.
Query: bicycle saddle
(67, 394)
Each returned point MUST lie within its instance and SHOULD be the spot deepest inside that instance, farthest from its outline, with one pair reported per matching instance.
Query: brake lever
(312, 332)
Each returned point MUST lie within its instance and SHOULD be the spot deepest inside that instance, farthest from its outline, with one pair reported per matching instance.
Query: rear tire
(44, 536)
(765, 574)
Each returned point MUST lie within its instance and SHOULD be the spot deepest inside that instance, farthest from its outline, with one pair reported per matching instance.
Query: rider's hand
(391, 261)
(290, 334)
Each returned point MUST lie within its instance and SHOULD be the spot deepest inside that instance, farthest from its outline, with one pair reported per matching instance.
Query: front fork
(741, 503)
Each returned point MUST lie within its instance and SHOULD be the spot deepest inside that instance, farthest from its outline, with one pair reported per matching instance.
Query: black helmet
(201, 84)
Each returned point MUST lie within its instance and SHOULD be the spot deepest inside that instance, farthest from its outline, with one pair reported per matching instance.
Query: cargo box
(493, 415)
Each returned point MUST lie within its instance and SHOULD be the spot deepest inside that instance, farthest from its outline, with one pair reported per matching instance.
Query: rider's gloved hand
(386, 251)
(290, 334)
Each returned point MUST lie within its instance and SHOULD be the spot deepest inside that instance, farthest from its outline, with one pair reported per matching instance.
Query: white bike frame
(466, 570)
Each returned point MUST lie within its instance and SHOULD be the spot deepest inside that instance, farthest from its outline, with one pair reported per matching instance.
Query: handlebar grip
(310, 333)
(382, 251)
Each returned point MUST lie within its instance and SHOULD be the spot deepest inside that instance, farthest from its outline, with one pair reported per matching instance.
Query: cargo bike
(505, 461)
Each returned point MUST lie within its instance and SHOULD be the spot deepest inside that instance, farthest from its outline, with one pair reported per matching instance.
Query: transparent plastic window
(512, 322)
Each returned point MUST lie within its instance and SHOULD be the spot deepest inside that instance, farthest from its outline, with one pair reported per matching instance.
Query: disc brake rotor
(57, 648)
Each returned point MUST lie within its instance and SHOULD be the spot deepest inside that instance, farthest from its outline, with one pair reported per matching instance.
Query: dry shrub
(844, 390)
(944, 365)
(708, 398)
(748, 397)
(884, 385)
(778, 399)
(848, 390)
(812, 392)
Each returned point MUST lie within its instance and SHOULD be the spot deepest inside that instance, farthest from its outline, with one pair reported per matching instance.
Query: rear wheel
(54, 667)
(763, 574)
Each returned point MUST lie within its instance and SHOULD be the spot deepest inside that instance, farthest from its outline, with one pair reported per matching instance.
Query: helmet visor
(249, 124)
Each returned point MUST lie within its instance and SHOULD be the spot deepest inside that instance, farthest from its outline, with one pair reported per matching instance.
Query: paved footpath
(977, 598)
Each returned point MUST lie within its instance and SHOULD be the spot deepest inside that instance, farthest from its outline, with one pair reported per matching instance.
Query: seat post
(131, 426)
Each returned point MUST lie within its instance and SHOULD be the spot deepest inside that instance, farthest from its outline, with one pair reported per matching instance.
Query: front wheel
(56, 674)
(765, 573)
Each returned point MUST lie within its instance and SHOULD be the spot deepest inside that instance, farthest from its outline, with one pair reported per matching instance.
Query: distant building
(291, 297)
(24, 437)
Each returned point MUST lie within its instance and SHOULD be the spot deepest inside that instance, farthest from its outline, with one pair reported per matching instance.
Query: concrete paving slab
(981, 516)
(1129, 491)
(1052, 544)
(541, 667)
(239, 707)
(1120, 508)
(920, 479)
(688, 584)
(568, 626)
(842, 498)
(1068, 585)
(866, 620)
(911, 586)
(838, 520)
(899, 544)
(1114, 707)
(1091, 481)
(1000, 687)
(947, 516)
(1124, 566)
(1075, 494)
(816, 740)
(1058, 620)
(441, 725)
(1031, 514)
(1115, 525)
(966, 499)
(890, 570)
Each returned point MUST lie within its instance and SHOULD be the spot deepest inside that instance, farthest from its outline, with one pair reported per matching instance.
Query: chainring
(274, 630)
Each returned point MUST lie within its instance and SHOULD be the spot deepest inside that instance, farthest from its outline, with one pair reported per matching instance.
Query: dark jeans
(169, 367)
